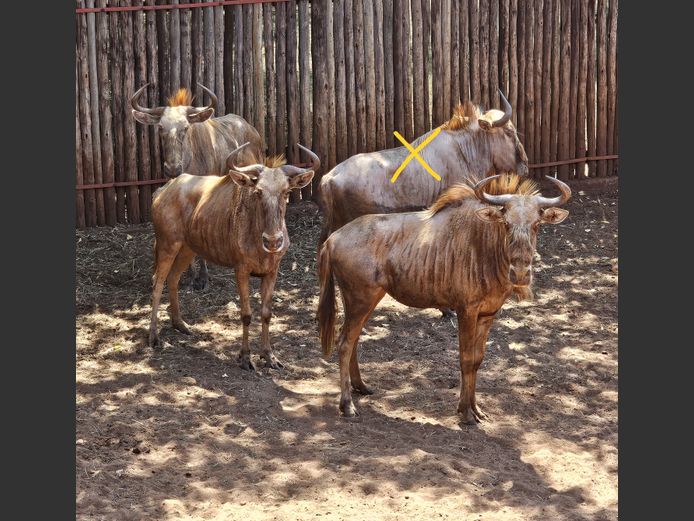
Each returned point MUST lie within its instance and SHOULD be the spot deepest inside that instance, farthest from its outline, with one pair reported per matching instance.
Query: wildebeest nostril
(273, 243)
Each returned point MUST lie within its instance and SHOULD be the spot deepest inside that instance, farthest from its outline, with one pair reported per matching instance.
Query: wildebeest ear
(146, 119)
(199, 117)
(490, 214)
(484, 124)
(242, 179)
(554, 215)
(300, 180)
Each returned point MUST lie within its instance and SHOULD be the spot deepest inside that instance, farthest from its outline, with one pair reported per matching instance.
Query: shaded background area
(183, 433)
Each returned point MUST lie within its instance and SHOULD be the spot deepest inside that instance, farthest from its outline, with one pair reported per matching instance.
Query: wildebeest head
(270, 188)
(173, 122)
(507, 151)
(521, 215)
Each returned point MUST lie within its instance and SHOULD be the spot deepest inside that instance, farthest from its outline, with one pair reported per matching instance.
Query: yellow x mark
(414, 153)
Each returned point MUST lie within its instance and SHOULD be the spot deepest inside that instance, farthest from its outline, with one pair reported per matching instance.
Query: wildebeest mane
(463, 115)
(509, 183)
(183, 97)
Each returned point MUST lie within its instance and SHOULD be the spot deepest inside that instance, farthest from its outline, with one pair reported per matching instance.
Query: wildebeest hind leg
(359, 303)
(200, 282)
(182, 261)
(164, 258)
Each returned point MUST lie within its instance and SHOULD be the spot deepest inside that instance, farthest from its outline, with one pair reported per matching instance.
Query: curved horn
(315, 163)
(133, 101)
(250, 169)
(213, 98)
(490, 199)
(508, 112)
(560, 199)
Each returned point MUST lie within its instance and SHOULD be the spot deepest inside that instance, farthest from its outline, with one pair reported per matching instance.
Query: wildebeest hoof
(471, 415)
(200, 283)
(272, 362)
(348, 410)
(154, 340)
(245, 363)
(447, 313)
(182, 327)
(478, 413)
(363, 389)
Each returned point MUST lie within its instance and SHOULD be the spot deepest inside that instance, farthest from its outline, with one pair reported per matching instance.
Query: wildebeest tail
(326, 302)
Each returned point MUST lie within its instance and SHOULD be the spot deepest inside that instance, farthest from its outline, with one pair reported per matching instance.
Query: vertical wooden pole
(388, 55)
(186, 50)
(565, 96)
(270, 39)
(94, 107)
(342, 149)
(239, 56)
(504, 31)
(153, 91)
(380, 77)
(210, 62)
(229, 50)
(538, 49)
(484, 53)
(582, 81)
(258, 77)
(350, 76)
(398, 68)
(320, 89)
(529, 88)
(445, 27)
(118, 99)
(281, 71)
(612, 87)
(198, 50)
(79, 200)
(129, 134)
(464, 50)
(573, 91)
(175, 38)
(163, 31)
(602, 85)
(437, 74)
(292, 96)
(546, 85)
(591, 100)
(418, 72)
(142, 132)
(455, 54)
(370, 66)
(105, 95)
(556, 81)
(331, 83)
(407, 65)
(360, 75)
(219, 58)
(494, 54)
(247, 64)
(305, 84)
(84, 96)
(475, 88)
(513, 59)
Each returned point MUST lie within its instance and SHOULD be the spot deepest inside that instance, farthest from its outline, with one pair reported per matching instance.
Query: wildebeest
(236, 220)
(195, 143)
(461, 253)
(470, 144)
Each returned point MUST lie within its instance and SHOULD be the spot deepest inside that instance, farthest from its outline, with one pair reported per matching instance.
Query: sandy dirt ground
(184, 433)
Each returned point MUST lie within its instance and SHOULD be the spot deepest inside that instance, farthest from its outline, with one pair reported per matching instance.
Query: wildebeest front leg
(245, 353)
(183, 260)
(470, 360)
(267, 286)
(165, 257)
